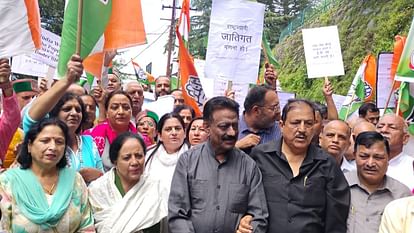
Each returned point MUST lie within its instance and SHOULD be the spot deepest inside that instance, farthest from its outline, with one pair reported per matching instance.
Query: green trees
(51, 13)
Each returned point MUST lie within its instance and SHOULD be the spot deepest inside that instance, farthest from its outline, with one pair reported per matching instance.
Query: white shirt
(347, 166)
(401, 169)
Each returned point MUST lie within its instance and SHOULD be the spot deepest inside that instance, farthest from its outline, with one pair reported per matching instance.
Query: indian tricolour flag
(107, 25)
(405, 73)
(362, 89)
(19, 27)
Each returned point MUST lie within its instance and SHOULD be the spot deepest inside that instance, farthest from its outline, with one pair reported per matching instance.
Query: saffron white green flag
(96, 15)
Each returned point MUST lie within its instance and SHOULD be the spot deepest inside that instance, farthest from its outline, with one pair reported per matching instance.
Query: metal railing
(306, 15)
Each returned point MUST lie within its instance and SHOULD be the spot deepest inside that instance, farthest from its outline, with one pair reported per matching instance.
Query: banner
(362, 88)
(323, 52)
(384, 80)
(234, 41)
(26, 65)
(49, 53)
(405, 70)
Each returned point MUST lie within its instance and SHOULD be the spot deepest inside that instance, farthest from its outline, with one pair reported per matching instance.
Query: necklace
(50, 191)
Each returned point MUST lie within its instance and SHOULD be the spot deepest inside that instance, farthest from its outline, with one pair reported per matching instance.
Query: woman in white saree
(125, 199)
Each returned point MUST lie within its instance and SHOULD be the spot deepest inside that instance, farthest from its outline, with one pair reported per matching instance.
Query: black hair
(160, 125)
(119, 141)
(65, 98)
(179, 108)
(369, 138)
(367, 107)
(290, 105)
(321, 109)
(25, 158)
(256, 96)
(218, 103)
(112, 94)
(91, 96)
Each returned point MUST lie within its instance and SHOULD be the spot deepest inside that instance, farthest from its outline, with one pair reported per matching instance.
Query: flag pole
(79, 31)
(389, 96)
(349, 106)
(399, 101)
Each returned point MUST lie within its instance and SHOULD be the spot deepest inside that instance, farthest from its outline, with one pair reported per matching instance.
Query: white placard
(338, 100)
(163, 105)
(284, 97)
(26, 65)
(240, 90)
(322, 52)
(234, 41)
(49, 53)
(384, 81)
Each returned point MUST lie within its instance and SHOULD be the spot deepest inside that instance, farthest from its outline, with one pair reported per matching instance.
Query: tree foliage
(51, 13)
(365, 27)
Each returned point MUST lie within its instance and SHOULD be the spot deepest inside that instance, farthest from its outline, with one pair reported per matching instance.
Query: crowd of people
(75, 161)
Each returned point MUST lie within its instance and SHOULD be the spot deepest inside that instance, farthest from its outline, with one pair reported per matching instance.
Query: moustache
(228, 138)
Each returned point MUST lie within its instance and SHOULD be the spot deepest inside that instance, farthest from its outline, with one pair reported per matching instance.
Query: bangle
(5, 85)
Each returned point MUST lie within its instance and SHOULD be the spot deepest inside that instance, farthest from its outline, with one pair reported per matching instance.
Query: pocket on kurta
(315, 192)
(238, 198)
(198, 193)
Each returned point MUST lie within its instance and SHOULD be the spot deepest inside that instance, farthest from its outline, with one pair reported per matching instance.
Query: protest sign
(49, 53)
(284, 97)
(338, 100)
(234, 41)
(323, 52)
(240, 90)
(26, 65)
(384, 80)
(166, 101)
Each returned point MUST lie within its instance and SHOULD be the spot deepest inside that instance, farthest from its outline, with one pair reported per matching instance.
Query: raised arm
(330, 104)
(44, 103)
(10, 120)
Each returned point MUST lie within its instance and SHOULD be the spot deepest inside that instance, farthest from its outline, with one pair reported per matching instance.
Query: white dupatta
(142, 206)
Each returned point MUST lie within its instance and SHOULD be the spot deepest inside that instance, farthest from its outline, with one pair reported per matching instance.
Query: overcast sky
(157, 30)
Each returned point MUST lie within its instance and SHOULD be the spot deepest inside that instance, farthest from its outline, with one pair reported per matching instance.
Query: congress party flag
(193, 92)
(108, 25)
(362, 88)
(405, 70)
(139, 72)
(20, 31)
(407, 104)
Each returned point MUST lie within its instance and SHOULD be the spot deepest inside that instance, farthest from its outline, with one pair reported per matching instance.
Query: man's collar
(353, 180)
(313, 153)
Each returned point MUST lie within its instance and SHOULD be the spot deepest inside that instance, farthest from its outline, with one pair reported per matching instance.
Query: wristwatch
(5, 85)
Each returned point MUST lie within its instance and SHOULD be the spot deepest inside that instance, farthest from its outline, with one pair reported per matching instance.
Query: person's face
(335, 138)
(71, 114)
(48, 148)
(172, 134)
(146, 125)
(114, 83)
(130, 162)
(298, 130)
(178, 98)
(162, 86)
(197, 133)
(119, 110)
(372, 117)
(23, 98)
(270, 111)
(136, 93)
(392, 128)
(187, 117)
(223, 130)
(371, 163)
(90, 107)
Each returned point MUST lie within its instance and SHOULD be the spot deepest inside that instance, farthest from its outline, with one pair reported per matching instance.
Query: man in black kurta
(215, 184)
(305, 189)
